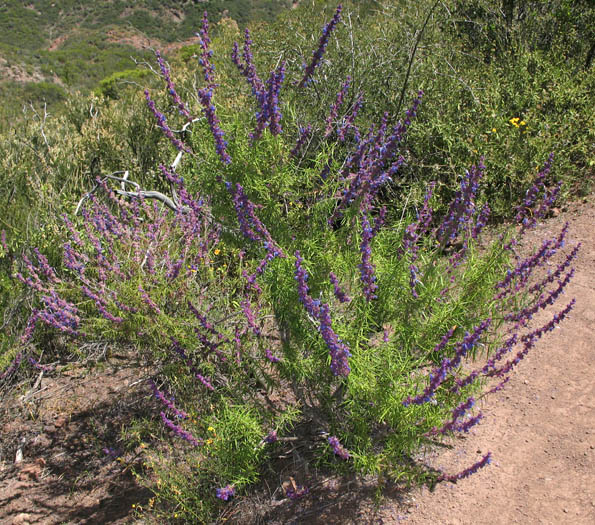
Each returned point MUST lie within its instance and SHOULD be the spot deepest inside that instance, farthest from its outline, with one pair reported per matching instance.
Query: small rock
(30, 472)
(22, 519)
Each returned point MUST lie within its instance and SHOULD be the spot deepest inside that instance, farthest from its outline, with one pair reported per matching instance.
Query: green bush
(277, 294)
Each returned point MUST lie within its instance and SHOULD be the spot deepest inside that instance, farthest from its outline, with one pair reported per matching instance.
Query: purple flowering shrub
(276, 298)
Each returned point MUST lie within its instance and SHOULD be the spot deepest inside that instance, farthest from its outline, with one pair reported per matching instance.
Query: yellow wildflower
(217, 251)
(494, 130)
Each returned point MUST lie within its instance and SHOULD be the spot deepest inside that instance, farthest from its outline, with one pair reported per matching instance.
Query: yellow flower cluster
(517, 122)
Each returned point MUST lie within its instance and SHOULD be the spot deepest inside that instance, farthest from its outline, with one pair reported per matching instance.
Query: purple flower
(455, 424)
(180, 414)
(439, 374)
(366, 267)
(299, 492)
(247, 68)
(271, 437)
(225, 493)
(304, 135)
(462, 207)
(486, 460)
(171, 88)
(339, 351)
(338, 449)
(269, 114)
(162, 123)
(348, 121)
(322, 43)
(179, 431)
(330, 120)
(339, 293)
(205, 95)
(269, 355)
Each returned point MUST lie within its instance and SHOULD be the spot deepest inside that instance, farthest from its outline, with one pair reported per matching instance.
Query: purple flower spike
(271, 437)
(304, 135)
(299, 492)
(338, 449)
(366, 267)
(322, 43)
(271, 357)
(486, 460)
(171, 88)
(330, 120)
(339, 293)
(179, 431)
(162, 123)
(225, 493)
(205, 95)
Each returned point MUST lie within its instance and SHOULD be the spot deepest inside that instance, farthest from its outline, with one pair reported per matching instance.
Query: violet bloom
(462, 207)
(299, 492)
(322, 43)
(179, 431)
(338, 449)
(225, 493)
(330, 120)
(271, 437)
(171, 88)
(205, 95)
(270, 356)
(374, 163)
(455, 423)
(339, 351)
(269, 114)
(304, 135)
(247, 68)
(486, 460)
(339, 293)
(525, 213)
(348, 122)
(180, 414)
(366, 267)
(162, 123)
(439, 374)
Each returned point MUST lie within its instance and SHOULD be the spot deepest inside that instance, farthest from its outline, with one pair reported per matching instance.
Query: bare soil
(540, 430)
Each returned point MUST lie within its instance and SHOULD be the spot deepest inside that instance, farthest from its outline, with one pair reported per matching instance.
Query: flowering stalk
(322, 43)
(180, 414)
(304, 135)
(366, 267)
(205, 95)
(225, 493)
(179, 431)
(162, 123)
(486, 460)
(171, 88)
(330, 120)
(339, 351)
(338, 449)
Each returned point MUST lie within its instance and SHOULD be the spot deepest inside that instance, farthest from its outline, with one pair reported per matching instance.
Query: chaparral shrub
(281, 300)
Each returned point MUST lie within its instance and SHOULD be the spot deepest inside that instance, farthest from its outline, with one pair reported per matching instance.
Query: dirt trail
(540, 430)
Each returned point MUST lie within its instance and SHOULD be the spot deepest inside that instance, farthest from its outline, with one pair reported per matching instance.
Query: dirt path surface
(540, 430)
